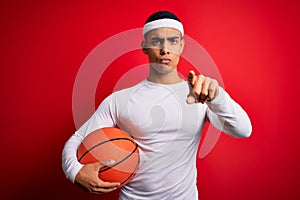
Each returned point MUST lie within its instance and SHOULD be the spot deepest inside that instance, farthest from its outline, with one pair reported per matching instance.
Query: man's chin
(162, 68)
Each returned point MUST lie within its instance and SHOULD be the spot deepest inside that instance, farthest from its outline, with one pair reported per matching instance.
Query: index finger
(109, 184)
(191, 78)
(105, 188)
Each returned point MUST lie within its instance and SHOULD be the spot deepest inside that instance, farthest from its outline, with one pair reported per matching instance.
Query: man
(165, 115)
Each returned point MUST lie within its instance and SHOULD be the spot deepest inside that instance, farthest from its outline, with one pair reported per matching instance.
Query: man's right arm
(87, 175)
(70, 164)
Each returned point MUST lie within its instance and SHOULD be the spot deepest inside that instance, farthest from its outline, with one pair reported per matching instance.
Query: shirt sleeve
(103, 117)
(228, 116)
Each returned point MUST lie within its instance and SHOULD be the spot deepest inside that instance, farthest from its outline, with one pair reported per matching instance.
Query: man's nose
(164, 49)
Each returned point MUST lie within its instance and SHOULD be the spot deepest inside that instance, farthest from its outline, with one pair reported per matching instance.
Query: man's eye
(173, 41)
(156, 42)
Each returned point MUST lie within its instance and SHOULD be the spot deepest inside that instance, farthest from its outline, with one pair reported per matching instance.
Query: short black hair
(161, 15)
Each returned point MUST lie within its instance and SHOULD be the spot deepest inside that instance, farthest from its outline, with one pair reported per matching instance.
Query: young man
(165, 115)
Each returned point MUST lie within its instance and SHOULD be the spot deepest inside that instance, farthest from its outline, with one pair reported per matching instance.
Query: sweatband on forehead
(163, 23)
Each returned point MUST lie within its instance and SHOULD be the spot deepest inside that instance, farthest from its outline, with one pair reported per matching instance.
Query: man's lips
(165, 60)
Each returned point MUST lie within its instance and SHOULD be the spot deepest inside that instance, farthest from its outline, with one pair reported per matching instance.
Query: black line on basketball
(93, 147)
(108, 167)
(132, 174)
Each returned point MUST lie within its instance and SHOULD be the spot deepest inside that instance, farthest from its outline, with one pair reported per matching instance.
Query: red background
(255, 45)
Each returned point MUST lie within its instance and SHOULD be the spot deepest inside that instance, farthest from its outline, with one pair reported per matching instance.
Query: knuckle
(208, 80)
(211, 90)
(196, 92)
(204, 93)
(215, 82)
(91, 190)
(93, 187)
(205, 90)
(206, 84)
(210, 96)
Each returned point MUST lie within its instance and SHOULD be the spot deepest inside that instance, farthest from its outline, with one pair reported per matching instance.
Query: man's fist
(202, 88)
(88, 179)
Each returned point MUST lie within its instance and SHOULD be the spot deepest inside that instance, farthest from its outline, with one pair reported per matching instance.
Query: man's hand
(88, 179)
(202, 88)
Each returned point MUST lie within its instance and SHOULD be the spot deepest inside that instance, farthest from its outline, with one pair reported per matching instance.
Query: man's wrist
(219, 99)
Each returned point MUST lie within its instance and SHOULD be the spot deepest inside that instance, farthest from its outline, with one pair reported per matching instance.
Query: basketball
(111, 144)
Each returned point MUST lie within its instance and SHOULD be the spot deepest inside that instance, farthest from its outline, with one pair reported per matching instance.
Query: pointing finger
(191, 97)
(191, 78)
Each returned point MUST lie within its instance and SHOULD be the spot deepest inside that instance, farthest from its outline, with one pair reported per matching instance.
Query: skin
(87, 178)
(163, 47)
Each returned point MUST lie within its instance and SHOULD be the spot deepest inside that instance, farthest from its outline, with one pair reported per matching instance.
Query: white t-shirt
(167, 130)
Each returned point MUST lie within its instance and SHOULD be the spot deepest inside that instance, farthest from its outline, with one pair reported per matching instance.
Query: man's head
(163, 41)
(162, 19)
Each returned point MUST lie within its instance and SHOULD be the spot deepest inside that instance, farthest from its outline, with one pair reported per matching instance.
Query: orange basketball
(111, 144)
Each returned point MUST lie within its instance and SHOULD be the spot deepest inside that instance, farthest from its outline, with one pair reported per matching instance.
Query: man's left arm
(223, 112)
(228, 116)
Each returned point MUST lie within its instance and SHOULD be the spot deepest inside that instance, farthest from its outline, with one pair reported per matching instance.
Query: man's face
(163, 47)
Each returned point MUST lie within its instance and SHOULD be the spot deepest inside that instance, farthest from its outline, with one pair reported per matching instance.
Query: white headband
(163, 23)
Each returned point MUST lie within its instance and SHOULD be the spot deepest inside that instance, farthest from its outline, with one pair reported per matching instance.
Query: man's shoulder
(128, 90)
(125, 93)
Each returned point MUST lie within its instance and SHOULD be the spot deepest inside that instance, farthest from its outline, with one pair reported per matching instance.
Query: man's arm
(223, 112)
(228, 116)
(87, 175)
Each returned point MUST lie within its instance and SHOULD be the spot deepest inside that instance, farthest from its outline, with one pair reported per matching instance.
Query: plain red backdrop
(255, 45)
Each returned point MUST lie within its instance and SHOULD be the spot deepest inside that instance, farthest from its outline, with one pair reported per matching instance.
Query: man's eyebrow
(173, 37)
(169, 38)
(156, 38)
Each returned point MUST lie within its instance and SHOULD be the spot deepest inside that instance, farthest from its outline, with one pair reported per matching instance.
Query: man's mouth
(165, 61)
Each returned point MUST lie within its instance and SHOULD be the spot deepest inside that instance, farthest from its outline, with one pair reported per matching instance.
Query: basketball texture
(111, 144)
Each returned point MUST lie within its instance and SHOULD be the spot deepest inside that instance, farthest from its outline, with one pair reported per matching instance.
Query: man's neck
(164, 78)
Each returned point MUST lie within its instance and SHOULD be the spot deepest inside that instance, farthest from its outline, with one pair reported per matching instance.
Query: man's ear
(144, 47)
